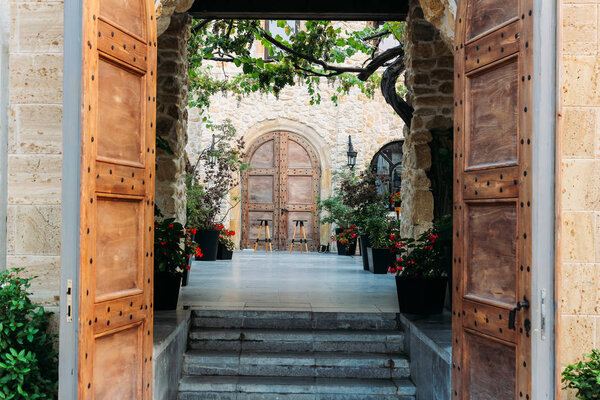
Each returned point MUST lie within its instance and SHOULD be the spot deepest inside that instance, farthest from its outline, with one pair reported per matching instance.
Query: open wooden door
(117, 200)
(282, 185)
(492, 210)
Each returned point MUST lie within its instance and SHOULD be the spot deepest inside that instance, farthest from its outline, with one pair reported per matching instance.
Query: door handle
(513, 313)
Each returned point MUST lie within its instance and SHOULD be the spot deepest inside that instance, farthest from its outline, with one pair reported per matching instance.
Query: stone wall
(429, 80)
(35, 143)
(172, 115)
(579, 192)
(372, 123)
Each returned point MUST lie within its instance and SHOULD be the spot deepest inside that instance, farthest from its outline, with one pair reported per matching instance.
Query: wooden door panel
(120, 122)
(129, 14)
(492, 200)
(119, 249)
(298, 157)
(484, 15)
(261, 189)
(491, 368)
(491, 260)
(300, 190)
(493, 101)
(253, 217)
(117, 200)
(263, 157)
(116, 372)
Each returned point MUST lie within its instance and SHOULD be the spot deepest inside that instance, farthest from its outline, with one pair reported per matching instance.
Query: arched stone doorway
(282, 185)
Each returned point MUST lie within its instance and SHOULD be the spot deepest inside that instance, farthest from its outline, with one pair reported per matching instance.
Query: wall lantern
(212, 156)
(351, 153)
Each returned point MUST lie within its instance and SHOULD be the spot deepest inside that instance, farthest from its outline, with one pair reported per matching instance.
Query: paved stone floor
(289, 282)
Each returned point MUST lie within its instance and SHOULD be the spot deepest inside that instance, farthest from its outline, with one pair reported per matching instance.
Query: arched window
(387, 165)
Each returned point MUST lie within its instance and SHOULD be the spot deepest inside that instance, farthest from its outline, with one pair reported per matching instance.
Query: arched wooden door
(117, 200)
(492, 200)
(282, 185)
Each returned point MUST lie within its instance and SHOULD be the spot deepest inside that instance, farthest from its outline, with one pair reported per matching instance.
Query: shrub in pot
(226, 245)
(28, 362)
(380, 230)
(346, 240)
(172, 248)
(421, 276)
(584, 377)
(209, 187)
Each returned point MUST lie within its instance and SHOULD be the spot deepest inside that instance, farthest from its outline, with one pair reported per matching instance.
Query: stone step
(269, 340)
(294, 320)
(318, 364)
(271, 388)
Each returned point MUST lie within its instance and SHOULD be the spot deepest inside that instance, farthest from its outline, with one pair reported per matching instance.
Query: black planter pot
(186, 271)
(208, 241)
(364, 243)
(166, 290)
(345, 249)
(380, 260)
(417, 295)
(223, 253)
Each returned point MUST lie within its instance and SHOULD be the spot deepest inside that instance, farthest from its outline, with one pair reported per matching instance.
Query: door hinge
(69, 300)
(543, 313)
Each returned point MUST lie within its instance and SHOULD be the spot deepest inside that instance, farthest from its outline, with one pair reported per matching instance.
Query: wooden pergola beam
(341, 10)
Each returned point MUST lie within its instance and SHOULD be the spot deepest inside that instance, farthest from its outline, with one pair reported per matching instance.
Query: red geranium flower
(194, 231)
(170, 226)
(198, 252)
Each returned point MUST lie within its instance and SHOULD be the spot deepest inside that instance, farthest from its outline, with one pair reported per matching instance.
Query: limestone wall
(371, 122)
(579, 192)
(35, 143)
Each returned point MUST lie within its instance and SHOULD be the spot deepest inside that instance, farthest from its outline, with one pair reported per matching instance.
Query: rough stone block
(578, 237)
(580, 183)
(579, 133)
(40, 27)
(580, 289)
(34, 179)
(581, 81)
(578, 335)
(36, 78)
(38, 230)
(580, 28)
(40, 129)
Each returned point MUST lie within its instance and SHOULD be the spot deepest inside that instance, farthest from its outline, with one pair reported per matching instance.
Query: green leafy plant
(28, 362)
(334, 211)
(319, 51)
(172, 245)
(426, 256)
(210, 181)
(359, 192)
(380, 226)
(584, 377)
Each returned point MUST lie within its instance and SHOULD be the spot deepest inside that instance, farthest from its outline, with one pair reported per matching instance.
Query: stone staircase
(271, 355)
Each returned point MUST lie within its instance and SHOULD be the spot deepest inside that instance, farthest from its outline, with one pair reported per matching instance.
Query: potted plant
(190, 249)
(346, 240)
(360, 192)
(226, 245)
(380, 229)
(584, 377)
(420, 272)
(209, 187)
(334, 211)
(172, 248)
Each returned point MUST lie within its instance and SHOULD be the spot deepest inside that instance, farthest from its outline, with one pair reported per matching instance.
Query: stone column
(172, 115)
(429, 80)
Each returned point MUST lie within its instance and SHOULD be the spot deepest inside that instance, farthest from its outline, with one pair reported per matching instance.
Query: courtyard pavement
(288, 282)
